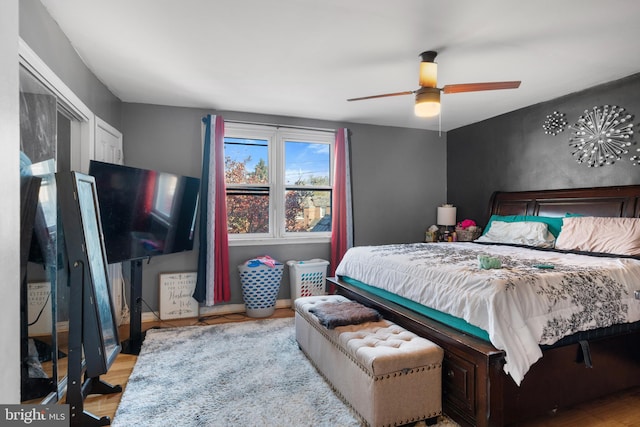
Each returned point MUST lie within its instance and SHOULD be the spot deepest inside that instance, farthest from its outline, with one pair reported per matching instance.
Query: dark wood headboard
(621, 201)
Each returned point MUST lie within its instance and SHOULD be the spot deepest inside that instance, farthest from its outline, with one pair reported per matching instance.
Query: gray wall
(512, 153)
(398, 180)
(47, 40)
(10, 221)
(398, 174)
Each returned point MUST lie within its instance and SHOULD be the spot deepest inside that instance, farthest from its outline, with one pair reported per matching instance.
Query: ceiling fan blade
(408, 92)
(475, 87)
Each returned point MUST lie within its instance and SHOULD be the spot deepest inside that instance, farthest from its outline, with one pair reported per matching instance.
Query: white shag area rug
(236, 374)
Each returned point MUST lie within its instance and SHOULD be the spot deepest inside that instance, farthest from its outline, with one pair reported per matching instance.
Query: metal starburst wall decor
(554, 123)
(602, 135)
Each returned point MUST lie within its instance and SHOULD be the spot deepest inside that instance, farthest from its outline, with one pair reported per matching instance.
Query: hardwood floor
(620, 410)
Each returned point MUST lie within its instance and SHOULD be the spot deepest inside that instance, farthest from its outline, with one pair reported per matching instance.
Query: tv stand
(133, 344)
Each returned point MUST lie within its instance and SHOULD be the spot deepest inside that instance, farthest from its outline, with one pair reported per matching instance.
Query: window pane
(246, 161)
(165, 192)
(307, 163)
(307, 210)
(248, 211)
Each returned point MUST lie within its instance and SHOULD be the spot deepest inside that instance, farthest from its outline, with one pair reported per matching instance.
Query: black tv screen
(144, 213)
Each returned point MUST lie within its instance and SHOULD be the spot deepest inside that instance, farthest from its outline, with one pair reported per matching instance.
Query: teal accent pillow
(554, 224)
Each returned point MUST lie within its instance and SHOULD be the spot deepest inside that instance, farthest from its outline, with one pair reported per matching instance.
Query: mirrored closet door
(44, 150)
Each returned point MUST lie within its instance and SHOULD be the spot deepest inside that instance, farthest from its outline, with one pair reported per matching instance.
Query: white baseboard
(149, 316)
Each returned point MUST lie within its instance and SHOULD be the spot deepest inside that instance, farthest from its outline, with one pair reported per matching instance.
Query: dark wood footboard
(477, 392)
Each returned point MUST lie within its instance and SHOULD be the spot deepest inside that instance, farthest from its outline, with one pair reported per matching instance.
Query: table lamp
(446, 218)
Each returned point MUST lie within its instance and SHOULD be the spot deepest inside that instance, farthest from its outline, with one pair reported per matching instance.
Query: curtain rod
(281, 126)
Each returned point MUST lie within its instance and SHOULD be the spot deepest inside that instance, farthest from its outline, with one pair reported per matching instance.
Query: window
(279, 182)
(164, 195)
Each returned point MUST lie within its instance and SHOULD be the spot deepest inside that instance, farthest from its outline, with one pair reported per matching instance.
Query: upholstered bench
(388, 375)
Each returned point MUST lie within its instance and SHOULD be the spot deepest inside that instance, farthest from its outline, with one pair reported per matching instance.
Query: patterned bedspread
(519, 305)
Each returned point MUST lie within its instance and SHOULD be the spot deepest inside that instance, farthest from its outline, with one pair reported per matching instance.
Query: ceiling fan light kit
(427, 102)
(428, 70)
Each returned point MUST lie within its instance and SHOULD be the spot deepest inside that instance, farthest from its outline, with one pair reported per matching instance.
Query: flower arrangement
(466, 224)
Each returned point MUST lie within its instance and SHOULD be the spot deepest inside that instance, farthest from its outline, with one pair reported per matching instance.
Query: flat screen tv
(144, 213)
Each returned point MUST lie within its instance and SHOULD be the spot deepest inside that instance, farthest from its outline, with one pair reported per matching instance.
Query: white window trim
(276, 136)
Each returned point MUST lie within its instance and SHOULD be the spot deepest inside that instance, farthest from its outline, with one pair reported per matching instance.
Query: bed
(493, 385)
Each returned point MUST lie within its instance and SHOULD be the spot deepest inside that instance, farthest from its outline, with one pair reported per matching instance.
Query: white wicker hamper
(307, 277)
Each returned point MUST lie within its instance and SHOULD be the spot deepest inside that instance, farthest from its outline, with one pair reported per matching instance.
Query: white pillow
(620, 236)
(528, 233)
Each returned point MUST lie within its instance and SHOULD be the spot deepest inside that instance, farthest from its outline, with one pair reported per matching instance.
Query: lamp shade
(428, 74)
(446, 215)
(427, 102)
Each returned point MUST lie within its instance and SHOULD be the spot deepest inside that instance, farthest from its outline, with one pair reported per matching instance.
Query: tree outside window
(278, 181)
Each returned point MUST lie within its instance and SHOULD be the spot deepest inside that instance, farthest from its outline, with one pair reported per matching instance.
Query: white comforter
(519, 305)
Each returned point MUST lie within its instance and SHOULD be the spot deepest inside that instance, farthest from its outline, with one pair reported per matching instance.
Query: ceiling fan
(428, 95)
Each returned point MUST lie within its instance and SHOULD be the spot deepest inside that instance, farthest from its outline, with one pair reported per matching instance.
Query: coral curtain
(212, 284)
(341, 205)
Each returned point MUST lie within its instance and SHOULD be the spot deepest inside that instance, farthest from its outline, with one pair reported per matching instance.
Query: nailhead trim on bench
(341, 340)
(318, 327)
(346, 402)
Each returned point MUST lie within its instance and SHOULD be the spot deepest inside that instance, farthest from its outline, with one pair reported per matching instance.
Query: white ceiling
(304, 58)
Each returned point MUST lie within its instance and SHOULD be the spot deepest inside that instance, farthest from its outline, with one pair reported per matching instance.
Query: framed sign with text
(176, 300)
